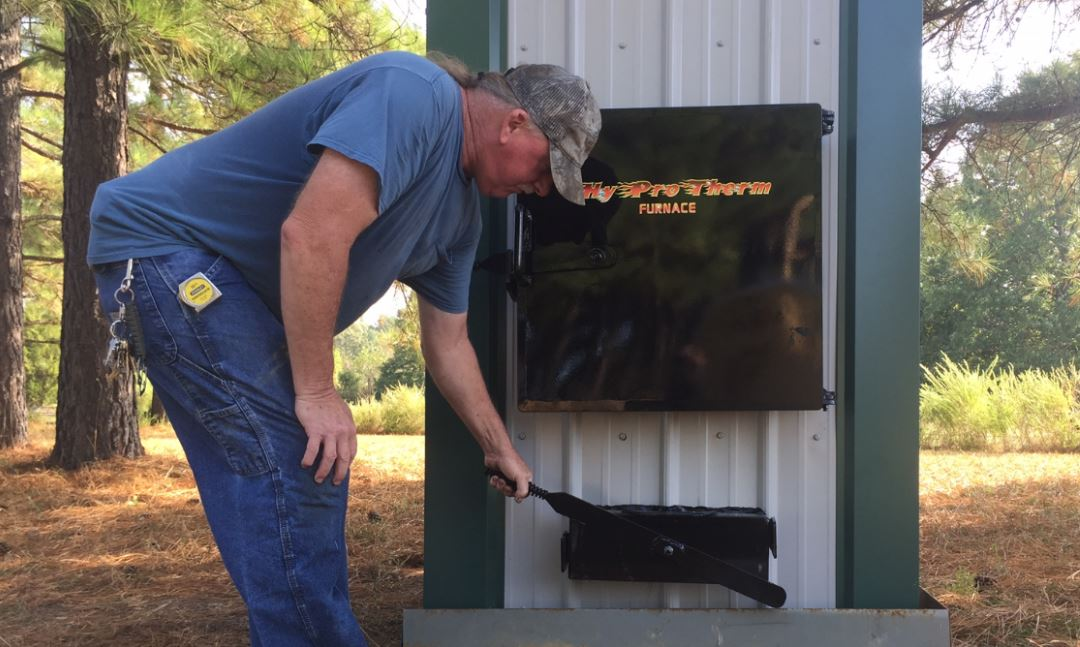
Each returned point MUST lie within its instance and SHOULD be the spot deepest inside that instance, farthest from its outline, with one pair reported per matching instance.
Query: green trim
(877, 561)
(463, 518)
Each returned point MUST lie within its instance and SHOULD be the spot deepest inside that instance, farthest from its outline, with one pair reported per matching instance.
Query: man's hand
(514, 468)
(329, 426)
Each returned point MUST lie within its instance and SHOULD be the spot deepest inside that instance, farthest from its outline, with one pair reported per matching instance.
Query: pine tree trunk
(12, 368)
(95, 412)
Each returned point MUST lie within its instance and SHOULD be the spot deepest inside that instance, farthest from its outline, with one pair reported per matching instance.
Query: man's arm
(451, 360)
(338, 202)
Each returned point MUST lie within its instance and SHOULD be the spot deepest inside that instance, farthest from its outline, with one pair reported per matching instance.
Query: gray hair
(493, 83)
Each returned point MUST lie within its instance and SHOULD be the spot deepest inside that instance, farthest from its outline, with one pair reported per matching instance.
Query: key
(112, 355)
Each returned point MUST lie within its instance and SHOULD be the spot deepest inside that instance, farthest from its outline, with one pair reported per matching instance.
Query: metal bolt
(622, 436)
(521, 435)
(817, 41)
(622, 45)
(817, 436)
(524, 48)
(719, 434)
(719, 43)
(668, 550)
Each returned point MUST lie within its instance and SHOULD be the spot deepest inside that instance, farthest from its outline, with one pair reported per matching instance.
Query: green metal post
(463, 517)
(877, 481)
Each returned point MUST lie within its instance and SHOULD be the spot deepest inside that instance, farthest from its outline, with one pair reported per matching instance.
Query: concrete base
(675, 627)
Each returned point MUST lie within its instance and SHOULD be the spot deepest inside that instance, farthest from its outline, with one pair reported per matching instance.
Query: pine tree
(12, 368)
(95, 415)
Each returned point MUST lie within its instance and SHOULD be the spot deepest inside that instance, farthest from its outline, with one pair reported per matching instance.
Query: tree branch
(52, 50)
(37, 135)
(30, 92)
(148, 138)
(945, 11)
(935, 151)
(183, 129)
(32, 219)
(42, 259)
(9, 72)
(1002, 117)
(46, 155)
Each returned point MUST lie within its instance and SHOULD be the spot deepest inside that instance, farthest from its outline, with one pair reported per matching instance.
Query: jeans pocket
(223, 417)
(183, 344)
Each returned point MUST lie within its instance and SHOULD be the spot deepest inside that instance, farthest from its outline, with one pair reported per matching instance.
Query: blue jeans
(223, 375)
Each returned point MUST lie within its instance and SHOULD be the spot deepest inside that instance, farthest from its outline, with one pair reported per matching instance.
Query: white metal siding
(639, 53)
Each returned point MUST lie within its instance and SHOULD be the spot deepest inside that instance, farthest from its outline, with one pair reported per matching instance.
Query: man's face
(517, 162)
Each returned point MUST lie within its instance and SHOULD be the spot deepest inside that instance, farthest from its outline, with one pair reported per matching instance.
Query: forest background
(96, 88)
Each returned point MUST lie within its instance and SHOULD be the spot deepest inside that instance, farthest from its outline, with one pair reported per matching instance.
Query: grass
(1000, 545)
(998, 408)
(119, 553)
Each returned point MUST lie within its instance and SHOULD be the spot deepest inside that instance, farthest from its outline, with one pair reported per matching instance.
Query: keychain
(126, 341)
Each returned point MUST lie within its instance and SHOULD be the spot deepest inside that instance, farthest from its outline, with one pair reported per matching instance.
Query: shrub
(367, 415)
(403, 409)
(348, 386)
(958, 408)
(1044, 404)
(971, 408)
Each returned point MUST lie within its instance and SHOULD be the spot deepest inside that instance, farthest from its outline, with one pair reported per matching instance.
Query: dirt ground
(119, 554)
(1000, 546)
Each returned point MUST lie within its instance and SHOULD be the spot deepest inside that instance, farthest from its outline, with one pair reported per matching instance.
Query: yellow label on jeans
(198, 291)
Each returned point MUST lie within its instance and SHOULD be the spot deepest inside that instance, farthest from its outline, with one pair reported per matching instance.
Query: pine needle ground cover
(1001, 545)
(120, 554)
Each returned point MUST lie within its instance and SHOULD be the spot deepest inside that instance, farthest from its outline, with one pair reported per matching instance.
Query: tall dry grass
(399, 412)
(999, 409)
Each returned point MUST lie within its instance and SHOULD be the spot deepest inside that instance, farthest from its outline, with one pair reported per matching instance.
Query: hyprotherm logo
(643, 189)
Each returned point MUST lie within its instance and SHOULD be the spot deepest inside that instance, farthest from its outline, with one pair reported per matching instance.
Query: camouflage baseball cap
(564, 109)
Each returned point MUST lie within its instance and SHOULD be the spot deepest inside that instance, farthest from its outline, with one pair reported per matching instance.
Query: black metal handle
(534, 489)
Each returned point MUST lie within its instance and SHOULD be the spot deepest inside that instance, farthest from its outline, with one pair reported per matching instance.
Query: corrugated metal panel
(638, 53)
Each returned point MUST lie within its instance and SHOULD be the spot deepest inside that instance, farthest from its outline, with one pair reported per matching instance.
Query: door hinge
(828, 120)
(828, 399)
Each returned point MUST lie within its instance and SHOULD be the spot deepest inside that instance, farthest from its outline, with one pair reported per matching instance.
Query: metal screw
(668, 550)
(524, 48)
(521, 436)
(817, 436)
(719, 43)
(622, 436)
(622, 45)
(719, 434)
(817, 41)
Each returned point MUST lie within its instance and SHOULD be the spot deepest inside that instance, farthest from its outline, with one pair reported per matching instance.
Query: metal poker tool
(716, 569)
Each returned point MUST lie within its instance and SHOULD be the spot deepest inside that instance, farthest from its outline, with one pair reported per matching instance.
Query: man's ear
(514, 120)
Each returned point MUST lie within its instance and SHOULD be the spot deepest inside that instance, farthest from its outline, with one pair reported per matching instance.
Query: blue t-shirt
(229, 192)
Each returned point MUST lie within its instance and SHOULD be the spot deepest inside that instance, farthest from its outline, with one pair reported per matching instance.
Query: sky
(1036, 43)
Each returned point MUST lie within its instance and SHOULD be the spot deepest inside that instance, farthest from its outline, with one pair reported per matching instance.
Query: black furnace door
(691, 280)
